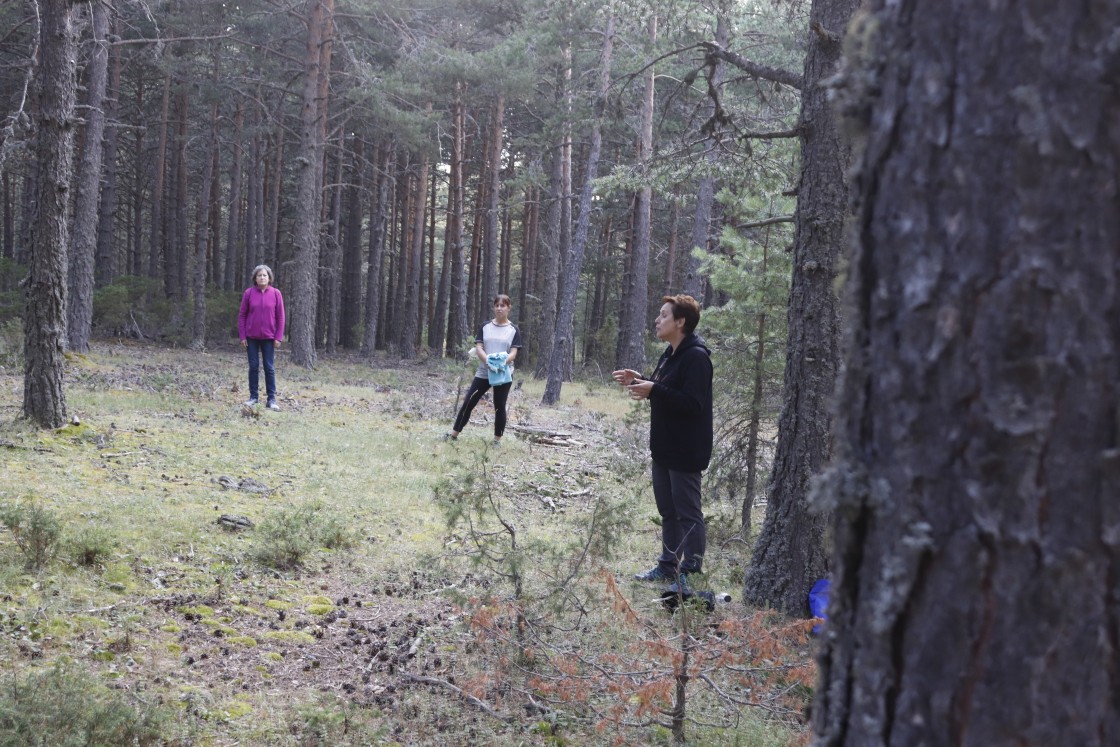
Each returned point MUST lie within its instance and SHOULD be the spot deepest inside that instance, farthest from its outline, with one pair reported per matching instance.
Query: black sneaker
(657, 573)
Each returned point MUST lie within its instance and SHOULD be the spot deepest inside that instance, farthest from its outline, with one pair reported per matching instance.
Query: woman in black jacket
(680, 436)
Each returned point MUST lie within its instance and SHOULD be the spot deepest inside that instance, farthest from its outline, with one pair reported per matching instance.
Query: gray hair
(257, 269)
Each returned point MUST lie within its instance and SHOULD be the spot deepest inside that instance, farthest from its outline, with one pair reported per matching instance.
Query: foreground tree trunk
(44, 319)
(976, 586)
(790, 554)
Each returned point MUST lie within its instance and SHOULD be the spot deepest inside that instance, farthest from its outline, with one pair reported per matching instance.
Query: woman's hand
(640, 389)
(625, 376)
(244, 343)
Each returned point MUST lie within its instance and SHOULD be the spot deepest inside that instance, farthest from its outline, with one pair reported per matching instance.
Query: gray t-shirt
(496, 338)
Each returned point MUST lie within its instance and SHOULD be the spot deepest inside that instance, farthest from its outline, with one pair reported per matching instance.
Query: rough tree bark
(83, 246)
(790, 554)
(309, 192)
(44, 321)
(107, 266)
(976, 585)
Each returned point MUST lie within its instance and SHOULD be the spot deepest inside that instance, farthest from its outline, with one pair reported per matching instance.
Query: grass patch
(357, 574)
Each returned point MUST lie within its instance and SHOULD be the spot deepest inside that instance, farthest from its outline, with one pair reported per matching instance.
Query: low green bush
(285, 538)
(66, 707)
(36, 531)
(90, 545)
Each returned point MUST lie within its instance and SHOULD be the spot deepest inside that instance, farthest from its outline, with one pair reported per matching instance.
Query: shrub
(64, 707)
(35, 529)
(287, 537)
(90, 545)
(11, 344)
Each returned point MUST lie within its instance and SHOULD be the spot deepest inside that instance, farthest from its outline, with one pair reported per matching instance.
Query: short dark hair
(684, 307)
(503, 297)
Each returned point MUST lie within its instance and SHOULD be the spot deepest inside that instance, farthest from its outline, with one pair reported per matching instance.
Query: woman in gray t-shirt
(497, 336)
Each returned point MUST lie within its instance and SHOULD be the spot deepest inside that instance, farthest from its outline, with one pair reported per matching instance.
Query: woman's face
(665, 326)
(501, 311)
(261, 279)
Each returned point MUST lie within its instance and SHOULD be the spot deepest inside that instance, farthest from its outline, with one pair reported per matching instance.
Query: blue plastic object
(818, 601)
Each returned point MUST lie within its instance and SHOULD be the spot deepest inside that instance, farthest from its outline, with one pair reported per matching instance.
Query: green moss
(234, 710)
(319, 605)
(272, 656)
(243, 640)
(201, 610)
(277, 604)
(290, 636)
(170, 628)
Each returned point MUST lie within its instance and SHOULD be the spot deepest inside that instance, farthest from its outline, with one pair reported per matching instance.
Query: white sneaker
(272, 405)
(251, 402)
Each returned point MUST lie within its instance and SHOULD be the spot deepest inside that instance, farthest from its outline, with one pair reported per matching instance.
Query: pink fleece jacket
(262, 315)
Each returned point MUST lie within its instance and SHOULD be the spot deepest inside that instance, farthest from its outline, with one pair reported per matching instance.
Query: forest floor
(369, 583)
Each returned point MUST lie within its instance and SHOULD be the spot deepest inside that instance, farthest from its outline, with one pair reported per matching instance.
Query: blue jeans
(262, 349)
(684, 537)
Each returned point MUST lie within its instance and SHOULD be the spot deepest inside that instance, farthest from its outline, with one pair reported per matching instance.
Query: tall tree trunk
(269, 220)
(309, 193)
(201, 237)
(79, 306)
(494, 152)
(412, 314)
(176, 264)
(139, 256)
(790, 556)
(55, 81)
(548, 267)
(693, 284)
(158, 235)
(107, 266)
(562, 342)
(755, 422)
(458, 325)
(214, 236)
(634, 319)
(235, 241)
(378, 222)
(8, 249)
(352, 255)
(331, 270)
(975, 589)
(430, 292)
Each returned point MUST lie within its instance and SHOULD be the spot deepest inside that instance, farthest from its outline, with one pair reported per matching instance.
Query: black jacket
(680, 424)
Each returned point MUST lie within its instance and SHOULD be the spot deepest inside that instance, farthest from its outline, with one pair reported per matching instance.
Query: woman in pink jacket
(260, 324)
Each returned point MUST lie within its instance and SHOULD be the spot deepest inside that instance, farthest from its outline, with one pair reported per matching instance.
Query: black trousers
(479, 386)
(684, 538)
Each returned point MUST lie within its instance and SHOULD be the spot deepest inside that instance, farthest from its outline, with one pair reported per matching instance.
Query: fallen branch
(484, 707)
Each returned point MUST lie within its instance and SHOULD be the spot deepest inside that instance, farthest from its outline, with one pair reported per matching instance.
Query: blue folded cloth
(497, 370)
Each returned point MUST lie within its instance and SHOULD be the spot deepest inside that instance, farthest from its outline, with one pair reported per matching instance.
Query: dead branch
(482, 706)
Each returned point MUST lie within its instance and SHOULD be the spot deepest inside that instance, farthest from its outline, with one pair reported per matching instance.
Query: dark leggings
(479, 387)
